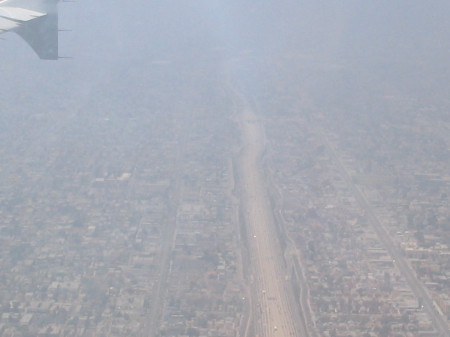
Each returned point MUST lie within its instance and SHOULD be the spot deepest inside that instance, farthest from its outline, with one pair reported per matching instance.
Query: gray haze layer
(128, 174)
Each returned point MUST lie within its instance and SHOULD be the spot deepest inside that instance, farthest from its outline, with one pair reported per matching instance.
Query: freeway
(295, 263)
(274, 311)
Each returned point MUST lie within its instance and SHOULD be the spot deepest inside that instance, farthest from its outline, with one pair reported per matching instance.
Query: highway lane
(273, 313)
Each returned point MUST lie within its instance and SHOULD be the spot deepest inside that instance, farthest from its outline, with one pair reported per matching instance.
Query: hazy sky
(112, 29)
(107, 35)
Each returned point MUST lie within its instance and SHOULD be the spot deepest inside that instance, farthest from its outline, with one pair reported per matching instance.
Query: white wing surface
(36, 21)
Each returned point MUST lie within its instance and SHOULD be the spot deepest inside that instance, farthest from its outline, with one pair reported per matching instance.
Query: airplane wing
(42, 35)
(36, 21)
(6, 25)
